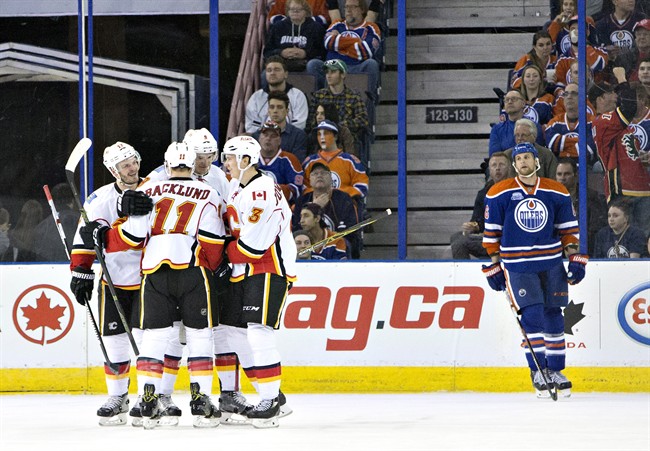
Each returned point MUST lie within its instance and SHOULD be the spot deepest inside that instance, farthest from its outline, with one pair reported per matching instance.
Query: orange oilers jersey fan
(183, 230)
(267, 249)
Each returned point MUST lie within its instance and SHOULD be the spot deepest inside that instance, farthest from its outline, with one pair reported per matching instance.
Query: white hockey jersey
(184, 229)
(260, 220)
(124, 266)
(216, 178)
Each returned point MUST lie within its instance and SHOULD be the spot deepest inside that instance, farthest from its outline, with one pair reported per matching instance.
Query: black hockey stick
(342, 233)
(55, 214)
(552, 392)
(77, 154)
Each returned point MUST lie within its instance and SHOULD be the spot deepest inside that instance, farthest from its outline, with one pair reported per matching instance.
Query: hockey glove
(577, 264)
(134, 203)
(82, 283)
(92, 234)
(495, 276)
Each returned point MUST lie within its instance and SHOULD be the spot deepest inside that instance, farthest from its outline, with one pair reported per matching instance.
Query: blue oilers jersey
(529, 225)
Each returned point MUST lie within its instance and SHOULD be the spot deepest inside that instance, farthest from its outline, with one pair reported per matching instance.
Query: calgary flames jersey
(260, 221)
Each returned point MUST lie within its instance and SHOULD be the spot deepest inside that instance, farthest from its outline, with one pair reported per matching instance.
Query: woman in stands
(539, 102)
(540, 56)
(345, 139)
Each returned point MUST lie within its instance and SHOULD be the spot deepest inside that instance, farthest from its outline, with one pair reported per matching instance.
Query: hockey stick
(77, 154)
(552, 392)
(55, 214)
(342, 233)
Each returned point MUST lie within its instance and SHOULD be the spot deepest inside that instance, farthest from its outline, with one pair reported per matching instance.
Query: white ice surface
(340, 422)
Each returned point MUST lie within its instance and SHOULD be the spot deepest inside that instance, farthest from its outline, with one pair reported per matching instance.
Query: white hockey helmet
(201, 141)
(117, 153)
(179, 155)
(240, 147)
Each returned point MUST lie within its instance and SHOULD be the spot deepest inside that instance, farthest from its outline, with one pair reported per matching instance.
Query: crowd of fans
(541, 106)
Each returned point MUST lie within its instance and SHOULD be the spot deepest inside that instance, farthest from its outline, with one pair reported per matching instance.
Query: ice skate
(541, 389)
(113, 412)
(234, 407)
(135, 414)
(285, 410)
(562, 384)
(150, 407)
(206, 414)
(266, 414)
(170, 411)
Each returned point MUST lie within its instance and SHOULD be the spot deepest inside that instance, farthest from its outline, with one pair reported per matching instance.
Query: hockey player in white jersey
(182, 241)
(263, 255)
(123, 161)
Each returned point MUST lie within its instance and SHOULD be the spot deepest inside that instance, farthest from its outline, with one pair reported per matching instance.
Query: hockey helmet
(201, 141)
(524, 148)
(179, 155)
(117, 153)
(241, 146)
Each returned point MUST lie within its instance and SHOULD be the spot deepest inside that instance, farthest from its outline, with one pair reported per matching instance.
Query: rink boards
(362, 327)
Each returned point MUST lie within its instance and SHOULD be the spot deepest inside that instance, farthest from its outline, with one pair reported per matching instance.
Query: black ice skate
(285, 410)
(135, 414)
(170, 411)
(541, 389)
(266, 414)
(562, 384)
(150, 407)
(234, 407)
(206, 414)
(113, 412)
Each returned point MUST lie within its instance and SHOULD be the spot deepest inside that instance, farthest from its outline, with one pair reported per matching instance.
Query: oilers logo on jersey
(641, 134)
(622, 39)
(531, 215)
(532, 114)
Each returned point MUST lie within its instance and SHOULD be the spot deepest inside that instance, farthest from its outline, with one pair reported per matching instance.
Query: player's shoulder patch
(92, 197)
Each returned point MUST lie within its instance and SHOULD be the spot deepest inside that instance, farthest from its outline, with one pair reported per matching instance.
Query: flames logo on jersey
(622, 39)
(531, 215)
(630, 143)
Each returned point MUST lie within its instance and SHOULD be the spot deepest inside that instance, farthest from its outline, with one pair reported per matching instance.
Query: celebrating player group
(194, 260)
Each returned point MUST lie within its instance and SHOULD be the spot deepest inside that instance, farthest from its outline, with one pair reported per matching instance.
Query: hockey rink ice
(340, 422)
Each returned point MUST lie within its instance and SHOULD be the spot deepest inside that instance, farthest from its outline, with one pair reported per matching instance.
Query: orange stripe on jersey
(199, 364)
(555, 345)
(551, 251)
(268, 373)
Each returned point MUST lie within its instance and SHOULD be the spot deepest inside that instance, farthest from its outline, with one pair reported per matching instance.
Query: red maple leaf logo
(43, 315)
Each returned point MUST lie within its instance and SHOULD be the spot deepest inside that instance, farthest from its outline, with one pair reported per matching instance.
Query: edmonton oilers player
(529, 223)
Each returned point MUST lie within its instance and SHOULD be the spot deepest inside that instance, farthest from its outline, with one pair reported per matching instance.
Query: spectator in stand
(615, 31)
(540, 55)
(620, 239)
(562, 131)
(21, 237)
(502, 134)
(345, 139)
(567, 174)
(526, 132)
(339, 210)
(311, 221)
(643, 74)
(276, 73)
(558, 108)
(283, 167)
(371, 16)
(298, 39)
(5, 225)
(352, 111)
(319, 11)
(355, 41)
(596, 58)
(469, 241)
(294, 139)
(630, 59)
(603, 97)
(624, 162)
(47, 242)
(561, 35)
(539, 102)
(302, 240)
(558, 28)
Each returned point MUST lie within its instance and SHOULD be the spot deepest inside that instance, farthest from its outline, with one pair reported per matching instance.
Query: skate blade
(167, 421)
(150, 423)
(203, 422)
(265, 423)
(565, 393)
(542, 394)
(285, 411)
(136, 422)
(234, 419)
(115, 420)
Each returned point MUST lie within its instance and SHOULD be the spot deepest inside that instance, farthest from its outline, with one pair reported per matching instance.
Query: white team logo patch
(531, 113)
(565, 45)
(204, 312)
(622, 39)
(112, 326)
(522, 293)
(516, 196)
(531, 215)
(336, 180)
